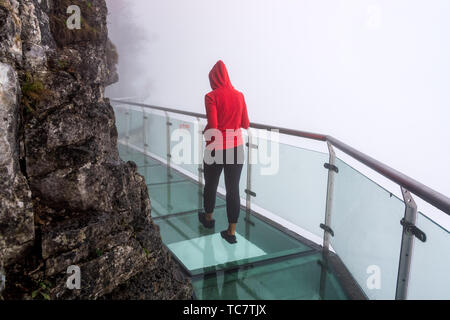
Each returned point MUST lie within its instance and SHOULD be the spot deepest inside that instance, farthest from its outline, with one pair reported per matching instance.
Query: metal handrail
(431, 196)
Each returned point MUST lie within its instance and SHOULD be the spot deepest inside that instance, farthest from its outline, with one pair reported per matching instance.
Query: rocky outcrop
(66, 198)
(16, 215)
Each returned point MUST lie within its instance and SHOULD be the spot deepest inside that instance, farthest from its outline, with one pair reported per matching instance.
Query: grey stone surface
(66, 197)
(16, 215)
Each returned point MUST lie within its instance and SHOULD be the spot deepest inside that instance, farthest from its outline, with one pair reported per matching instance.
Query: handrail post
(200, 163)
(248, 191)
(408, 222)
(327, 231)
(248, 202)
(144, 134)
(332, 170)
(169, 156)
(127, 128)
(127, 133)
(168, 151)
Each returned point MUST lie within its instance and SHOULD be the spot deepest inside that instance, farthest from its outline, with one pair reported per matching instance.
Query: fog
(374, 74)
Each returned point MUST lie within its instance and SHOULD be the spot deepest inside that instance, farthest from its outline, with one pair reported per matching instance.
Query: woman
(227, 114)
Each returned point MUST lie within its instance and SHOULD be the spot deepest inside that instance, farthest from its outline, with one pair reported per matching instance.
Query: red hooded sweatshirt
(225, 109)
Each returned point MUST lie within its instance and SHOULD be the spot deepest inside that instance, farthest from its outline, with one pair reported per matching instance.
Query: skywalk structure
(317, 228)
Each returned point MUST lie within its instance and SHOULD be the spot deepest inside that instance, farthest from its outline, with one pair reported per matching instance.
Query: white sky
(374, 74)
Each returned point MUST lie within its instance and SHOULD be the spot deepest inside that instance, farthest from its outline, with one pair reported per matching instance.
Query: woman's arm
(245, 123)
(211, 113)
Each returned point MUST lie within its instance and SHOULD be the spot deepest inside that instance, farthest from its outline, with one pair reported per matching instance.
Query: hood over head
(218, 76)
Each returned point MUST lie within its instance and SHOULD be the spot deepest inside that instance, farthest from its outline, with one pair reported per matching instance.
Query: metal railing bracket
(327, 229)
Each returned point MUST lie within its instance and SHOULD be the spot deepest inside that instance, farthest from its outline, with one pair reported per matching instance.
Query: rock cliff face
(66, 198)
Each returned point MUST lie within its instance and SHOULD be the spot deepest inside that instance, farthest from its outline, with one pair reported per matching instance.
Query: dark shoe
(209, 224)
(230, 238)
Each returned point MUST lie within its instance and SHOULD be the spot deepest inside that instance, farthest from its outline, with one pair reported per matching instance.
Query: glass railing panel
(296, 191)
(156, 134)
(160, 174)
(429, 274)
(185, 139)
(176, 197)
(121, 115)
(202, 250)
(365, 219)
(291, 279)
(136, 128)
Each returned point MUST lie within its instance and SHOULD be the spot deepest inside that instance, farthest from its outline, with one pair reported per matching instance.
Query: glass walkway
(266, 263)
(312, 228)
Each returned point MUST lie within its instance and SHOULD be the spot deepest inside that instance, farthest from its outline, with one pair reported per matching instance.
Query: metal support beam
(169, 156)
(327, 231)
(248, 202)
(248, 197)
(332, 170)
(168, 151)
(323, 274)
(408, 221)
(200, 163)
(127, 130)
(200, 152)
(144, 134)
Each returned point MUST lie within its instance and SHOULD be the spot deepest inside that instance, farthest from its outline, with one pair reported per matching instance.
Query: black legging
(232, 176)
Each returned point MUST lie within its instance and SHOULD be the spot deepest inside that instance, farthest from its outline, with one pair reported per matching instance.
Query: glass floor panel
(203, 250)
(176, 197)
(160, 174)
(296, 278)
(212, 250)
